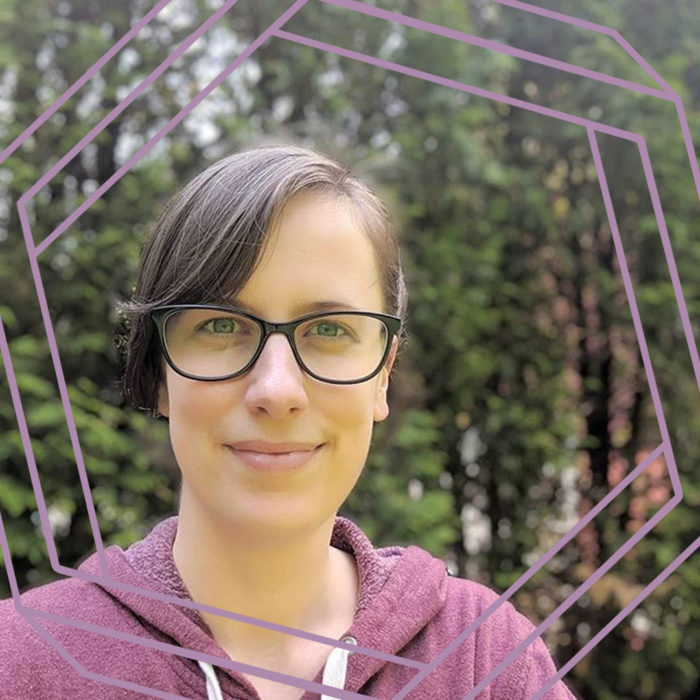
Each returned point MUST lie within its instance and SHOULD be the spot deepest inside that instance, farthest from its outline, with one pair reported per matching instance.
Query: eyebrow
(307, 308)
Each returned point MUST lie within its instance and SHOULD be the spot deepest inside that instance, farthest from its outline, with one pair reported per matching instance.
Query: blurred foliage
(521, 398)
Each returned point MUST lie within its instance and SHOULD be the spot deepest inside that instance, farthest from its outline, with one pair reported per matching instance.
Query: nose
(276, 381)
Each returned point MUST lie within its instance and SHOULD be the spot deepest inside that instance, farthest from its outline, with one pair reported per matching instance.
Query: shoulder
(28, 647)
(60, 598)
(475, 632)
(45, 655)
(498, 632)
(472, 611)
(469, 600)
(68, 597)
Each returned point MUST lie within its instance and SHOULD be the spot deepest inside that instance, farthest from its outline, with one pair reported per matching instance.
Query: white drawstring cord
(213, 687)
(336, 669)
(334, 672)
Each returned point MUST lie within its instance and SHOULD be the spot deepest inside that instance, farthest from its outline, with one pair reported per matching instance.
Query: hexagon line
(30, 614)
(77, 666)
(563, 607)
(596, 127)
(640, 61)
(185, 603)
(642, 595)
(4, 546)
(55, 106)
(34, 251)
(177, 650)
(296, 6)
(614, 34)
(456, 85)
(592, 126)
(531, 56)
(29, 455)
(593, 27)
(670, 258)
(624, 271)
(80, 624)
(108, 119)
(668, 452)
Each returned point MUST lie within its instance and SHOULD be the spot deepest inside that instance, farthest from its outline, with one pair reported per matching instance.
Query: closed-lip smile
(273, 448)
(274, 456)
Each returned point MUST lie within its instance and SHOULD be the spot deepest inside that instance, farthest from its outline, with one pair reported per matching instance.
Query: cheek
(193, 413)
(354, 415)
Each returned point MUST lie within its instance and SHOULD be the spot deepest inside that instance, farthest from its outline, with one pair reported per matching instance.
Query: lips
(273, 448)
(278, 456)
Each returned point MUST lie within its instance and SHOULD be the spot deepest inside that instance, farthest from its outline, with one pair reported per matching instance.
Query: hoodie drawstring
(334, 672)
(336, 669)
(213, 687)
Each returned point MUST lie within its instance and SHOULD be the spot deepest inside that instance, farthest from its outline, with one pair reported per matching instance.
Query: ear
(381, 407)
(163, 404)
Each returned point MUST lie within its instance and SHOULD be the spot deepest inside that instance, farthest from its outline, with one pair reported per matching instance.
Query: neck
(288, 579)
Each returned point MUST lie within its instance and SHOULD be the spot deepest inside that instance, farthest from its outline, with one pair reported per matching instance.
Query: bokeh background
(521, 398)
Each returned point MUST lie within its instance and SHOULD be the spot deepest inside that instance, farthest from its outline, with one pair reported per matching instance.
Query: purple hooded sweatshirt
(408, 607)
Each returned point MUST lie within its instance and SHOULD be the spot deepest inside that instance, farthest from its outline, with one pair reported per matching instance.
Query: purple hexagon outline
(591, 128)
(34, 252)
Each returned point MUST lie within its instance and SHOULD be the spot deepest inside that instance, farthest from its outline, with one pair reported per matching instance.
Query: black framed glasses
(213, 343)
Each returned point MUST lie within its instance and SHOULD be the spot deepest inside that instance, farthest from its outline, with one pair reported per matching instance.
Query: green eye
(328, 330)
(219, 325)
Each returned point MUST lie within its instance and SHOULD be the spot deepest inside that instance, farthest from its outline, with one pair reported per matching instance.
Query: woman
(265, 324)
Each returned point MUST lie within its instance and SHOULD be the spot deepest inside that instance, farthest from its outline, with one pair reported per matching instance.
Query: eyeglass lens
(209, 343)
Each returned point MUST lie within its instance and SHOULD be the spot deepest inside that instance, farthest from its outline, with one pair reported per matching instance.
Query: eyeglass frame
(161, 314)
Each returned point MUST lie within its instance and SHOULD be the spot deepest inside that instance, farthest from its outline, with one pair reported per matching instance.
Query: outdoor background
(521, 398)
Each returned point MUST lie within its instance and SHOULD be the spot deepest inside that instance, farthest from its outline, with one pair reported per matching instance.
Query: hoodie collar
(400, 592)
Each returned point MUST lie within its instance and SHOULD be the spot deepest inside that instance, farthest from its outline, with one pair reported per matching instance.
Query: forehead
(318, 251)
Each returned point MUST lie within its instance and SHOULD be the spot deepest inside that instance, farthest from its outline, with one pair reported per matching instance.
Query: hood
(400, 592)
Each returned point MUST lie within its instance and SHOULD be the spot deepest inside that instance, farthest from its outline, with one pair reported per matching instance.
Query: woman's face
(318, 254)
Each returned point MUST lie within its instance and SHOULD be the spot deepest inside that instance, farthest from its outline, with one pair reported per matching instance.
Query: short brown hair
(211, 235)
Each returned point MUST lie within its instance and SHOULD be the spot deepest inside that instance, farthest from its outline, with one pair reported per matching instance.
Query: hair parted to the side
(212, 234)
